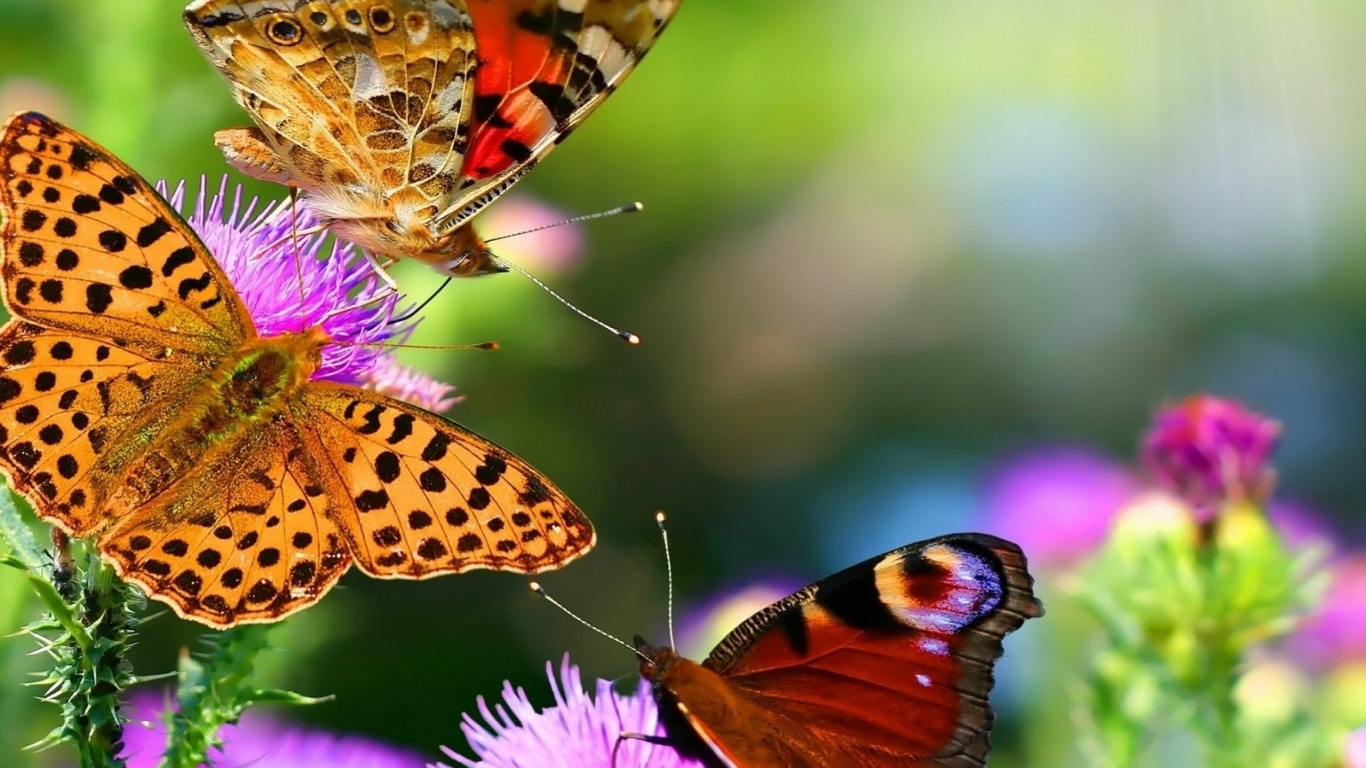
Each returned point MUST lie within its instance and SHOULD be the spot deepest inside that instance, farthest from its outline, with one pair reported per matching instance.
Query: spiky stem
(214, 690)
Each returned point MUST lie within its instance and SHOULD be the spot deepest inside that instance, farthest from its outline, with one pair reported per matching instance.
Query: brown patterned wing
(90, 247)
(424, 496)
(249, 535)
(544, 66)
(888, 663)
(359, 102)
(67, 405)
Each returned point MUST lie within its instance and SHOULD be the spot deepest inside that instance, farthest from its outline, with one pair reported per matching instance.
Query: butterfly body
(139, 405)
(250, 389)
(403, 119)
(887, 663)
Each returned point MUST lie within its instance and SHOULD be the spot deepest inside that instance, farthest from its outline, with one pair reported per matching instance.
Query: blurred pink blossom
(1355, 749)
(1336, 631)
(1057, 503)
(552, 251)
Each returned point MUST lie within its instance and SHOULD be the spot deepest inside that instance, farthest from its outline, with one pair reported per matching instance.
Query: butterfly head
(654, 661)
(463, 253)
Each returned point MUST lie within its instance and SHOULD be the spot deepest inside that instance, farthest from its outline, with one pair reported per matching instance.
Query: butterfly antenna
(540, 590)
(620, 209)
(669, 570)
(412, 312)
(627, 336)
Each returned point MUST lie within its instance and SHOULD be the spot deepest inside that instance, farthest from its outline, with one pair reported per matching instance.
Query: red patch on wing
(861, 682)
(509, 120)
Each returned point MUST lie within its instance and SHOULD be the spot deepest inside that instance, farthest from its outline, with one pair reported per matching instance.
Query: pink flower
(1057, 503)
(390, 377)
(1209, 450)
(1336, 631)
(554, 250)
(1355, 749)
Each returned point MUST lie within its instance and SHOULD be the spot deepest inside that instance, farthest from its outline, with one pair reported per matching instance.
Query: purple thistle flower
(1209, 450)
(258, 741)
(390, 377)
(341, 291)
(580, 731)
(1058, 503)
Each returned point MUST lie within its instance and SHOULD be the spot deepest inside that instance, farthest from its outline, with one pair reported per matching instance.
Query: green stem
(110, 616)
(209, 692)
(214, 690)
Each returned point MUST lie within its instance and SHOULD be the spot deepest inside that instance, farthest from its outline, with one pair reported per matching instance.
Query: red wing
(890, 660)
(542, 69)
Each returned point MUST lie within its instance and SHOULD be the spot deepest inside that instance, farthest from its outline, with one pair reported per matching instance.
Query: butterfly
(139, 405)
(886, 663)
(402, 119)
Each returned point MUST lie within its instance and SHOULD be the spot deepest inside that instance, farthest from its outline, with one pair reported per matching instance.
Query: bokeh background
(890, 251)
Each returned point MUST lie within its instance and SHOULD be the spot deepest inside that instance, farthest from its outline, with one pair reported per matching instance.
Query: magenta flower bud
(1210, 450)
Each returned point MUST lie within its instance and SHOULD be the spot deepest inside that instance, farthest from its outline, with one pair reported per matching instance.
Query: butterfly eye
(284, 32)
(381, 20)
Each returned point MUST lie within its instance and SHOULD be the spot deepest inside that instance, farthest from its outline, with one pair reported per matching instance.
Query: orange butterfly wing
(90, 247)
(132, 309)
(248, 535)
(887, 663)
(425, 496)
(355, 101)
(122, 415)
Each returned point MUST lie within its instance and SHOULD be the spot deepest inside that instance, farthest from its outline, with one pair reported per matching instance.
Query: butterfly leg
(381, 268)
(663, 741)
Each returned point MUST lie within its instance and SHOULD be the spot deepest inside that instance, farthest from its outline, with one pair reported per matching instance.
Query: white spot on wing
(448, 100)
(924, 680)
(369, 77)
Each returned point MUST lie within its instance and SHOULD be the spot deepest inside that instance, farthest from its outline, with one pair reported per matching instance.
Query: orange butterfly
(402, 119)
(887, 663)
(139, 405)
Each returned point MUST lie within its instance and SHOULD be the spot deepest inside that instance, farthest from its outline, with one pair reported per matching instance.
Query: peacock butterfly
(886, 663)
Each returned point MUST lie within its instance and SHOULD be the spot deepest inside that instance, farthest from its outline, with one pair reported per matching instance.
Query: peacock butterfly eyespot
(886, 663)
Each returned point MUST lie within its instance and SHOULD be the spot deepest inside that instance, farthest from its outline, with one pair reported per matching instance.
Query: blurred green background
(886, 243)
